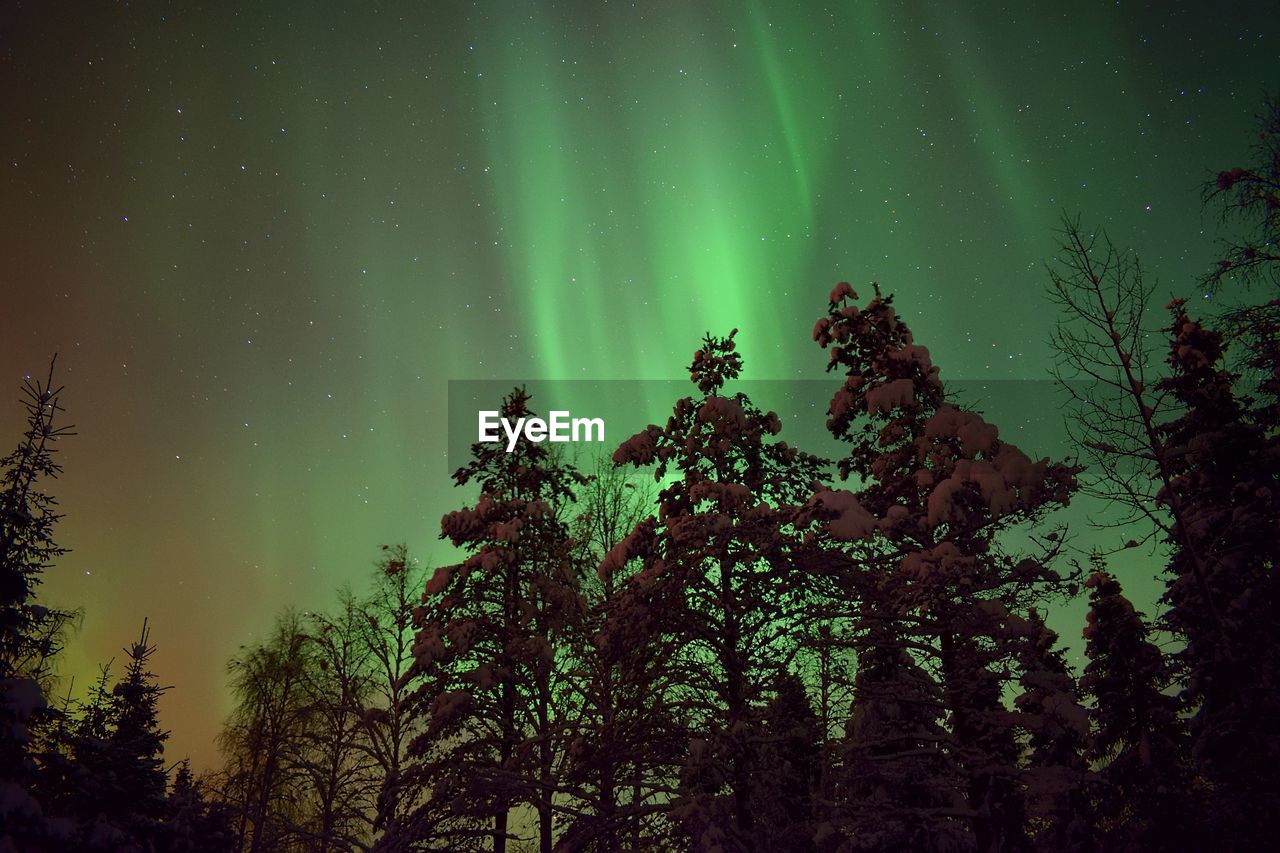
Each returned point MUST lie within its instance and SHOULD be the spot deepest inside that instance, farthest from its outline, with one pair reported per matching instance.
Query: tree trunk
(500, 832)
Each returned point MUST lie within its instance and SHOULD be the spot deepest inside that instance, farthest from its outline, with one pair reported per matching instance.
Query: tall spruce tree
(936, 489)
(1061, 787)
(135, 748)
(490, 649)
(103, 782)
(28, 631)
(1138, 740)
(1223, 588)
(721, 585)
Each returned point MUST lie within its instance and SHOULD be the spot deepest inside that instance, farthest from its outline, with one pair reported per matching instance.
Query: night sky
(262, 238)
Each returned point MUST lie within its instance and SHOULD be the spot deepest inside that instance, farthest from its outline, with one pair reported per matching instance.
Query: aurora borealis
(263, 238)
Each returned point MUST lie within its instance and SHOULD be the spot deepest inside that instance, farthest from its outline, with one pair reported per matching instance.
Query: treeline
(719, 642)
(748, 656)
(86, 774)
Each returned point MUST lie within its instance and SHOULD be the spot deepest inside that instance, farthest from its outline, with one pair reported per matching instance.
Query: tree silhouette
(315, 751)
(1109, 370)
(937, 488)
(1248, 197)
(1139, 741)
(720, 583)
(624, 743)
(260, 779)
(29, 632)
(135, 747)
(488, 649)
(337, 775)
(1223, 591)
(193, 823)
(387, 632)
(1060, 784)
(755, 659)
(783, 800)
(1247, 276)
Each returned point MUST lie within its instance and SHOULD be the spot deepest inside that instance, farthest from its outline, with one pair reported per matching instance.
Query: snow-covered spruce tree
(1223, 588)
(720, 587)
(623, 740)
(488, 650)
(1061, 787)
(936, 489)
(28, 631)
(891, 784)
(790, 757)
(1138, 741)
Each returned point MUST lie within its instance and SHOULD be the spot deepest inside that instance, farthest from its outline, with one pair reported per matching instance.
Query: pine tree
(489, 649)
(28, 515)
(28, 631)
(75, 790)
(937, 489)
(720, 584)
(103, 780)
(194, 824)
(783, 800)
(1223, 589)
(1059, 782)
(135, 747)
(1139, 741)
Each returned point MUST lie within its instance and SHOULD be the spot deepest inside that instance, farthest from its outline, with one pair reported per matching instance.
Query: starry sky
(263, 238)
